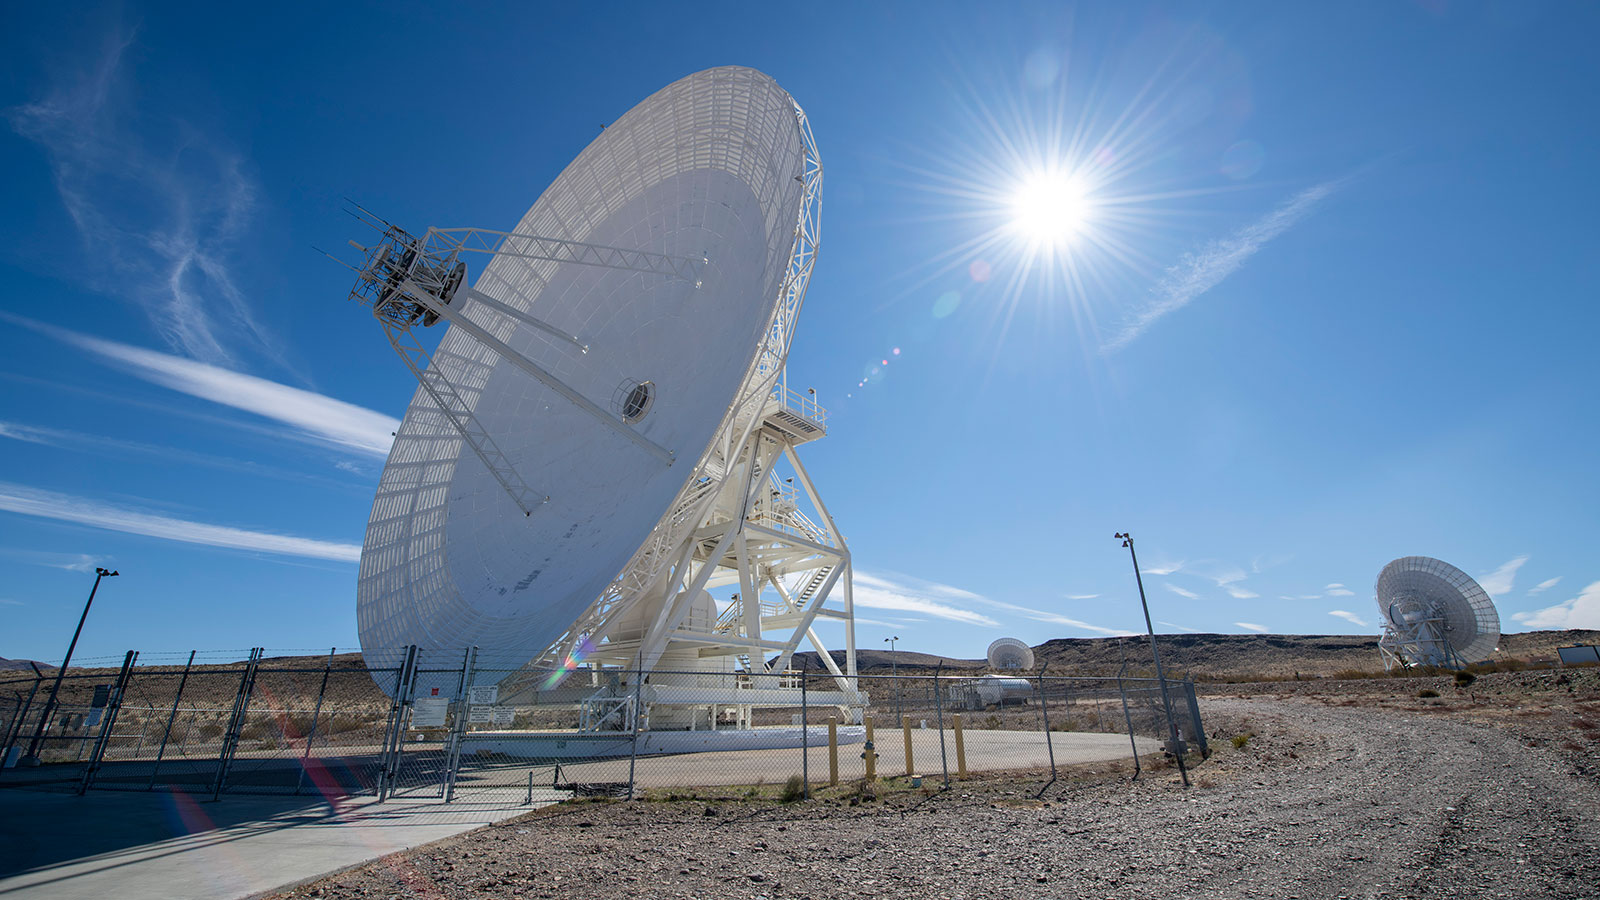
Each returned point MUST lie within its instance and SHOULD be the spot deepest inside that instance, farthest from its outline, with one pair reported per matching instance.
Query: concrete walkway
(170, 845)
(137, 845)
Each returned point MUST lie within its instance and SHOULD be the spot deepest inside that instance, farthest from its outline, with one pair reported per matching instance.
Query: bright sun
(1050, 209)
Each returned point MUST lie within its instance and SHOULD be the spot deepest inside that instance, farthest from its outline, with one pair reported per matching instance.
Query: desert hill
(1213, 656)
(1216, 657)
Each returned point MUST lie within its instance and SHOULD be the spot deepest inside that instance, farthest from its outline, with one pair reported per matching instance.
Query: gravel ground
(1381, 797)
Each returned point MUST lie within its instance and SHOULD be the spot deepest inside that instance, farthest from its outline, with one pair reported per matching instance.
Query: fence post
(241, 707)
(833, 751)
(869, 752)
(113, 706)
(638, 710)
(961, 749)
(1195, 724)
(16, 714)
(16, 731)
(316, 714)
(905, 727)
(938, 704)
(805, 736)
(388, 757)
(1044, 714)
(166, 735)
(458, 729)
(1128, 718)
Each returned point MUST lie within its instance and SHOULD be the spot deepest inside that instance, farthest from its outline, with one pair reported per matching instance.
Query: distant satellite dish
(1010, 653)
(1434, 614)
(595, 443)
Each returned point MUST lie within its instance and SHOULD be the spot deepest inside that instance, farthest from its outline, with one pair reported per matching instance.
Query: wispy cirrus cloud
(1582, 611)
(1348, 616)
(71, 562)
(1082, 596)
(937, 600)
(951, 603)
(1251, 626)
(1039, 615)
(312, 415)
(160, 205)
(1230, 578)
(1543, 586)
(1226, 576)
(1338, 590)
(1181, 592)
(1500, 581)
(1204, 269)
(104, 445)
(83, 511)
(1180, 627)
(860, 620)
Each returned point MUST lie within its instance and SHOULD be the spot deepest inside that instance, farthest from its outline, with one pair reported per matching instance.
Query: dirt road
(1324, 801)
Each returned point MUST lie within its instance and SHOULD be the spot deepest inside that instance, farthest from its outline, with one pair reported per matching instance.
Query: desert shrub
(1239, 740)
(992, 723)
(793, 790)
(1425, 693)
(259, 729)
(1465, 678)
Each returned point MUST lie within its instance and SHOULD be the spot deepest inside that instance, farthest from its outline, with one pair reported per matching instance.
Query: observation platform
(795, 415)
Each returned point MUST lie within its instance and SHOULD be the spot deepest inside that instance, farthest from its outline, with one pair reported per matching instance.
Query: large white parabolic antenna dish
(710, 169)
(1434, 614)
(1010, 653)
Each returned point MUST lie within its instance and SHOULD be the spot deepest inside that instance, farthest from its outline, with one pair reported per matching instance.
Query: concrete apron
(161, 845)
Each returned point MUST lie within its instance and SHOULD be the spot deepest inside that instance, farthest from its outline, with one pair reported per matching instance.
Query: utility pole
(1161, 677)
(32, 759)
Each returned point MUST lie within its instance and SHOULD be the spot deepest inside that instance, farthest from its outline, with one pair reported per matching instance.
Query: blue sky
(1330, 301)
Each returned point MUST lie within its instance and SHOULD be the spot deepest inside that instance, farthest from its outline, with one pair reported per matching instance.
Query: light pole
(894, 670)
(1161, 677)
(32, 759)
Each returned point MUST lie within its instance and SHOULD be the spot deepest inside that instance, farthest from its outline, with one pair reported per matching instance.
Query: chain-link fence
(453, 724)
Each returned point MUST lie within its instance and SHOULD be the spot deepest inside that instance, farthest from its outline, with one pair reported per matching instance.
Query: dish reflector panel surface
(705, 168)
(1010, 653)
(1418, 587)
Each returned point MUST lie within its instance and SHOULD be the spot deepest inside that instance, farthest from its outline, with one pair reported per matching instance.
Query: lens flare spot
(895, 352)
(946, 304)
(979, 270)
(573, 660)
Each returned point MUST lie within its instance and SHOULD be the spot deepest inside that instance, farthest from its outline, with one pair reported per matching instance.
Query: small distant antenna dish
(1010, 653)
(1434, 614)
